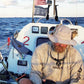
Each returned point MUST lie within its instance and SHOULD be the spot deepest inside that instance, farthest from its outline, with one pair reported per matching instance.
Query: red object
(20, 77)
(25, 43)
(8, 41)
(40, 2)
(82, 42)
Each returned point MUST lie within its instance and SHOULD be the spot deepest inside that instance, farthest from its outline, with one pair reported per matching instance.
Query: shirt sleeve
(77, 69)
(36, 72)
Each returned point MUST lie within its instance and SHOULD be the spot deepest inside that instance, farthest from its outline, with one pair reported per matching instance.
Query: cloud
(25, 3)
(60, 0)
(71, 1)
(16, 3)
(75, 1)
(8, 2)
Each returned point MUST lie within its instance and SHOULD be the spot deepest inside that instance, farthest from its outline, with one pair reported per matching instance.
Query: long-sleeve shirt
(44, 67)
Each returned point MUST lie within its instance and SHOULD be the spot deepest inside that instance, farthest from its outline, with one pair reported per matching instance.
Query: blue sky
(23, 8)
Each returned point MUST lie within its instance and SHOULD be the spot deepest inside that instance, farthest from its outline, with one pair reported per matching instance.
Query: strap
(20, 77)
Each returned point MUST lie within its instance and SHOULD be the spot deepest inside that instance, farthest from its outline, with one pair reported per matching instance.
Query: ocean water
(8, 26)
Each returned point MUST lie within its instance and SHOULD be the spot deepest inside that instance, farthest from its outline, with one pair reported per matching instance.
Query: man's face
(59, 47)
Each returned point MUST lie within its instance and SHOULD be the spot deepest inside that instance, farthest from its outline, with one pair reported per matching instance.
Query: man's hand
(25, 81)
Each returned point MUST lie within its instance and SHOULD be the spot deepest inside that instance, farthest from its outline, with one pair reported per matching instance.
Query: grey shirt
(44, 67)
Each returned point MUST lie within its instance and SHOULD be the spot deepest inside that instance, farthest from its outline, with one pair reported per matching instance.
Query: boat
(18, 63)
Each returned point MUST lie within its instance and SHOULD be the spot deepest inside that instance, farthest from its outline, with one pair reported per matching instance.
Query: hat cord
(58, 61)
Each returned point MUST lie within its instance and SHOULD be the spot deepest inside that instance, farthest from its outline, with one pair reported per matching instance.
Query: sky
(23, 8)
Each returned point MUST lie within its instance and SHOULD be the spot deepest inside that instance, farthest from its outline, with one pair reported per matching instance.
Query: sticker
(26, 37)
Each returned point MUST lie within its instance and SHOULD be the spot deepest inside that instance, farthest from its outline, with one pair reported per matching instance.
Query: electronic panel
(44, 30)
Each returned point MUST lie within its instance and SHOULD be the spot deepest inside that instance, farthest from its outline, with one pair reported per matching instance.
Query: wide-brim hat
(61, 34)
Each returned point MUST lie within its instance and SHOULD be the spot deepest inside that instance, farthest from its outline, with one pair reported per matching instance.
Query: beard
(59, 49)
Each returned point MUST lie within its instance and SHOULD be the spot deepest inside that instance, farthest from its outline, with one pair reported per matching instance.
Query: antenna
(56, 16)
(76, 22)
(54, 8)
(33, 12)
(47, 17)
(49, 2)
(55, 11)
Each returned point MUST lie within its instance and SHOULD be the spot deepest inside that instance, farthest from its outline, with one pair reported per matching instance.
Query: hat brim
(56, 40)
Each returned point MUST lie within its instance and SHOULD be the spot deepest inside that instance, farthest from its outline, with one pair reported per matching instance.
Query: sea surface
(8, 26)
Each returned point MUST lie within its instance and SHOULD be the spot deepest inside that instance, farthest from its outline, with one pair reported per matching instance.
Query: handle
(61, 22)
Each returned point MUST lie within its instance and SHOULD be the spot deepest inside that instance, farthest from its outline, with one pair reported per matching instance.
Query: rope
(1, 58)
(9, 72)
(8, 43)
(3, 46)
(20, 77)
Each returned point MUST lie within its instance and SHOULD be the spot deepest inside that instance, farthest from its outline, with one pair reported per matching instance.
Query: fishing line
(3, 46)
(1, 58)
(76, 23)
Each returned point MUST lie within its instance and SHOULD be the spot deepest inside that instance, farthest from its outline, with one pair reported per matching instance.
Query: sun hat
(61, 34)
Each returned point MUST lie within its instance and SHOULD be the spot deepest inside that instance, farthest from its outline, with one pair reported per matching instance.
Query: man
(57, 62)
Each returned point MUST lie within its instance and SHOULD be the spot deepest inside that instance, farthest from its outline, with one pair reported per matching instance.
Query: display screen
(22, 63)
(44, 30)
(35, 29)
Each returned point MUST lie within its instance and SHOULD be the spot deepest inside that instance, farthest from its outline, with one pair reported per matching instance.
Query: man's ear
(74, 33)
